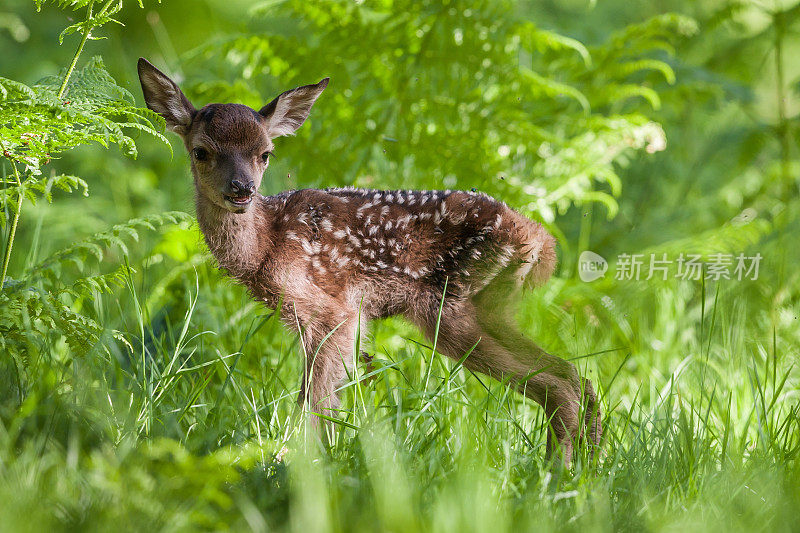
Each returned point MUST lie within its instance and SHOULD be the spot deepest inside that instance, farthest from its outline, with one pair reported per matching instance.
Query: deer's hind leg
(557, 385)
(548, 380)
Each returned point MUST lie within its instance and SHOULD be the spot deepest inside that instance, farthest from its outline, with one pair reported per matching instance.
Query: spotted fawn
(451, 262)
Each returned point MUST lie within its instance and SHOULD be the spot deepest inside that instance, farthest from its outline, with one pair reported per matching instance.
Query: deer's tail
(536, 251)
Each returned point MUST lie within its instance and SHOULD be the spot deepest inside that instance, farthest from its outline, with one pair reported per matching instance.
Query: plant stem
(7, 256)
(78, 52)
(783, 126)
(584, 236)
(86, 32)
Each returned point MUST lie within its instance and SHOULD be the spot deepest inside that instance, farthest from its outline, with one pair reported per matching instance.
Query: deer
(330, 260)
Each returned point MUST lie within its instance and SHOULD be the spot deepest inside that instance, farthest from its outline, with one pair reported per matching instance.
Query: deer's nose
(238, 186)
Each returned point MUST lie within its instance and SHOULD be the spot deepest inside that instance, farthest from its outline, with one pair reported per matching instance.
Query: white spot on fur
(458, 219)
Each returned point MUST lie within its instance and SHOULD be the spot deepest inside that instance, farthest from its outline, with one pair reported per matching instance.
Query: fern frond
(655, 32)
(35, 315)
(635, 66)
(552, 88)
(35, 125)
(93, 248)
(618, 94)
(34, 187)
(102, 283)
(534, 38)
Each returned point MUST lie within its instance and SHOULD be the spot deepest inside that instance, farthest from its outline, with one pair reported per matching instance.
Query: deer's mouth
(241, 200)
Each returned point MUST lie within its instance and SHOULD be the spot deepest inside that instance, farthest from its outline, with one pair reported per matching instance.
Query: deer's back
(397, 244)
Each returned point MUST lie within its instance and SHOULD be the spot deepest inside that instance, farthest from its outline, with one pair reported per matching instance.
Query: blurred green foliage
(138, 386)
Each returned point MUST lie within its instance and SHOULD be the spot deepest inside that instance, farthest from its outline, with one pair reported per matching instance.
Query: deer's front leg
(328, 348)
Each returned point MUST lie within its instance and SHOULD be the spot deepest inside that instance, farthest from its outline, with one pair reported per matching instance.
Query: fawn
(331, 258)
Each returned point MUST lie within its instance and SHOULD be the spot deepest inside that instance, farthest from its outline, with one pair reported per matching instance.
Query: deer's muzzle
(240, 194)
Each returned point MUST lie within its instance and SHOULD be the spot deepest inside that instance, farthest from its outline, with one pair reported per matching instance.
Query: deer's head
(229, 144)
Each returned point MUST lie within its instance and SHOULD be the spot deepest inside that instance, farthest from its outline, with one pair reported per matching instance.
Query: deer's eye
(265, 156)
(200, 154)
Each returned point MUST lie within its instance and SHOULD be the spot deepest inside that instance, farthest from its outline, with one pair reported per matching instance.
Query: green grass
(192, 422)
(181, 415)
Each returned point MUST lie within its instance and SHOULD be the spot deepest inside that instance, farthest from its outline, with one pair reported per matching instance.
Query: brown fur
(331, 256)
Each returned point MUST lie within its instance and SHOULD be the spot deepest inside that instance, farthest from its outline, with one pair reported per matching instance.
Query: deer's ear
(163, 96)
(288, 111)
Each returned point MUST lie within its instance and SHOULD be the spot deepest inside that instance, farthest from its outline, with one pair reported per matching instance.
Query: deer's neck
(238, 241)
